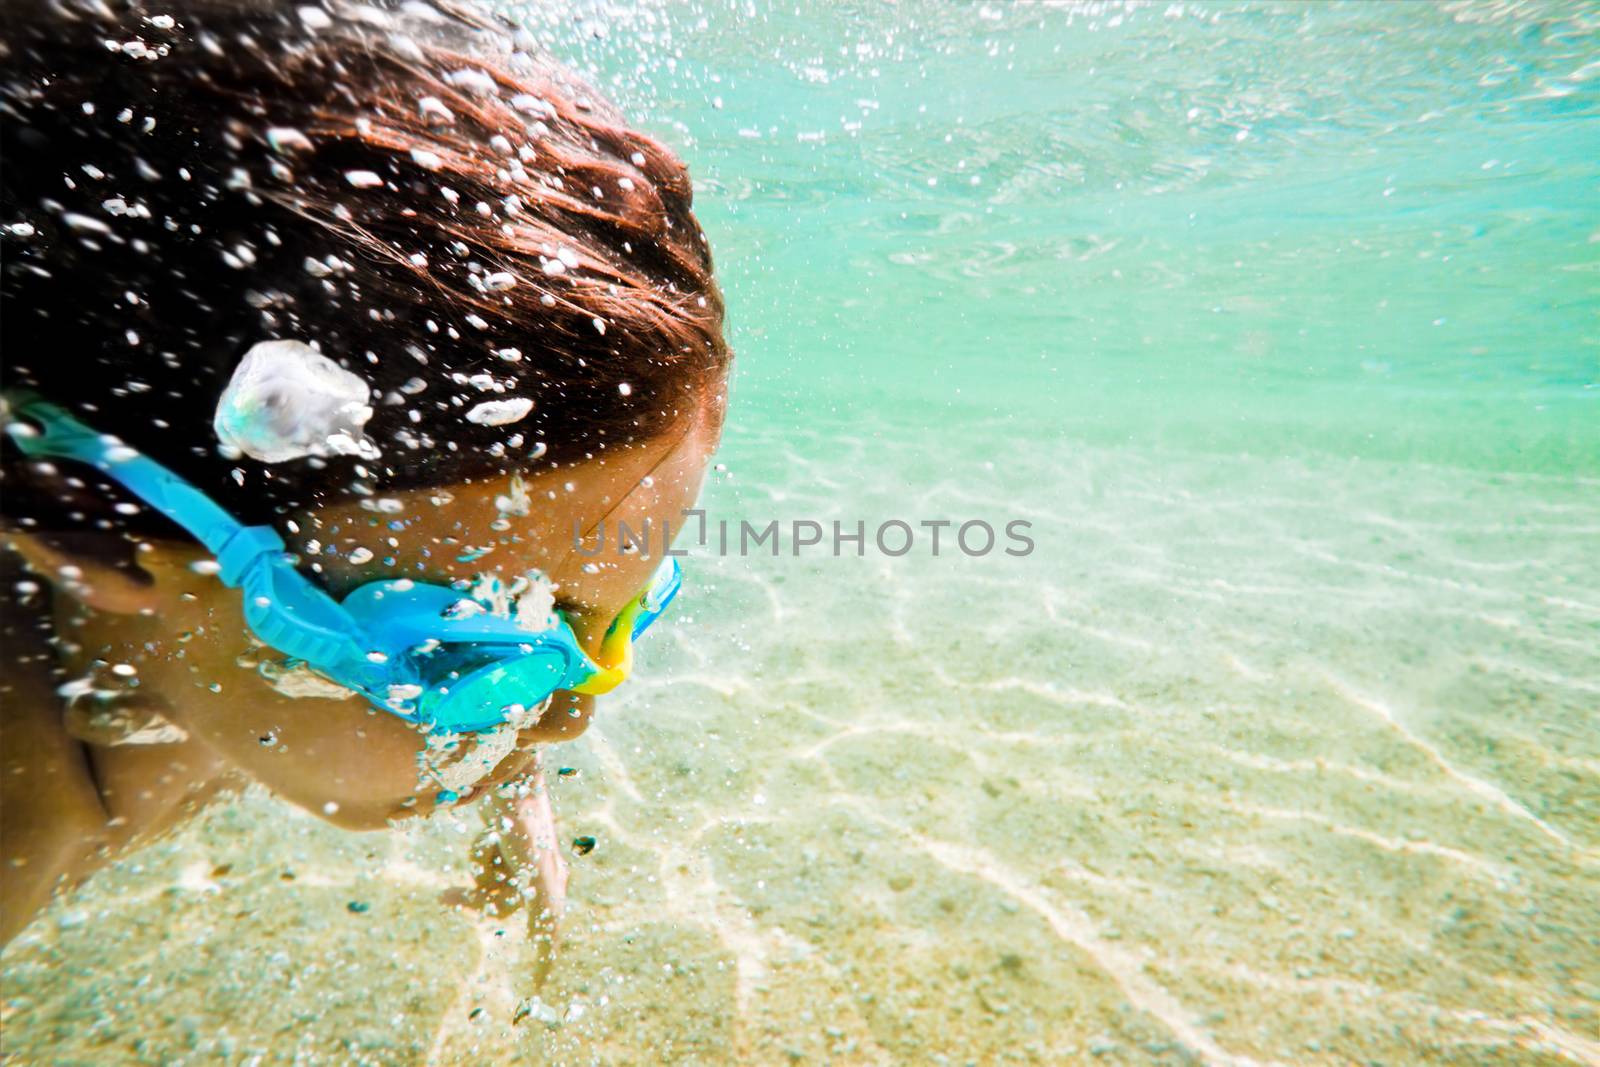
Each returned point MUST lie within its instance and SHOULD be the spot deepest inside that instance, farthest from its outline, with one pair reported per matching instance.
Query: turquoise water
(1278, 322)
(1356, 229)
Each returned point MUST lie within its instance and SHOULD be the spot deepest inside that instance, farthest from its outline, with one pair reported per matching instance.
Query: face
(184, 637)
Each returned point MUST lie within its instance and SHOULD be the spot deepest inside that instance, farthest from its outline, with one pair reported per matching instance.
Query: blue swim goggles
(392, 641)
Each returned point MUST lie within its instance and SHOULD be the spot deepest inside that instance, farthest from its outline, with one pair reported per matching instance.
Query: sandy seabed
(1253, 760)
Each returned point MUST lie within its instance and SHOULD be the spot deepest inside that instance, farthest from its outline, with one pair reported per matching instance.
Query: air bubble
(500, 412)
(434, 112)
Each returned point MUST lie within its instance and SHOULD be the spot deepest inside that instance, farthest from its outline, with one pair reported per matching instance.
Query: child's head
(476, 246)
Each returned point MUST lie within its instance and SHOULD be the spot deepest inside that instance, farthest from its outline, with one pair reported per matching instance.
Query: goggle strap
(61, 436)
(247, 556)
(241, 551)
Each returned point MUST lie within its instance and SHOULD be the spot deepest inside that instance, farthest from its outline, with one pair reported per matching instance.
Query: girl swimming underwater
(378, 282)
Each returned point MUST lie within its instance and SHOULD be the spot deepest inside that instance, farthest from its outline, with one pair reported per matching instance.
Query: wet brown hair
(443, 210)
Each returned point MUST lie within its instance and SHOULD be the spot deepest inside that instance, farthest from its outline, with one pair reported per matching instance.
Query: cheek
(566, 718)
(618, 557)
(610, 574)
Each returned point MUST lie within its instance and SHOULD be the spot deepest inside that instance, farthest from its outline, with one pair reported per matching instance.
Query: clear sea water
(1281, 324)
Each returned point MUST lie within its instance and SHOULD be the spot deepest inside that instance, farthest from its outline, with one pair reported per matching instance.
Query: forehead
(511, 524)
